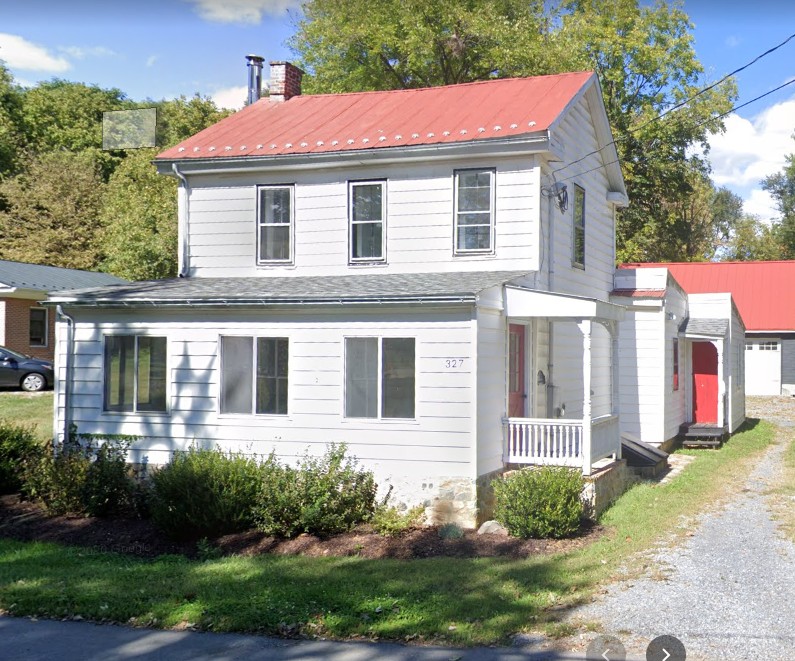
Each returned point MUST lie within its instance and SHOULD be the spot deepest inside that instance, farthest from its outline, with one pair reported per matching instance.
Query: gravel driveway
(728, 591)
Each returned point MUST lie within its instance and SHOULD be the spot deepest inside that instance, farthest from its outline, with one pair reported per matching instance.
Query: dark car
(20, 371)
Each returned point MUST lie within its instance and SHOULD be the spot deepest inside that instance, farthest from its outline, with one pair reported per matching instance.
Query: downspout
(182, 227)
(550, 324)
(67, 386)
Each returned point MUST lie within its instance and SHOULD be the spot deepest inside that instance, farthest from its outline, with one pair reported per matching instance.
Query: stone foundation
(604, 486)
(445, 499)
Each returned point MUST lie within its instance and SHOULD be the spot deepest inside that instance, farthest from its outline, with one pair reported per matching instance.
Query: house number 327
(453, 363)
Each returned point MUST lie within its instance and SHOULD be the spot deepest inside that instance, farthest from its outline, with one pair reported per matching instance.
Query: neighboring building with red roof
(422, 274)
(764, 293)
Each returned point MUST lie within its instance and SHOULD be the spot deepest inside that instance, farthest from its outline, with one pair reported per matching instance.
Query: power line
(686, 101)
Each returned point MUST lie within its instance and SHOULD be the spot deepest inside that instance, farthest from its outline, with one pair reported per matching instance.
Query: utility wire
(686, 101)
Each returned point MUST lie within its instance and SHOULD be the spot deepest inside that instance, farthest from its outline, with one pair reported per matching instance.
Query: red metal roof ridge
(633, 265)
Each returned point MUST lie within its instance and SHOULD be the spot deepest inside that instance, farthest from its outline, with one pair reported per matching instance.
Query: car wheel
(33, 382)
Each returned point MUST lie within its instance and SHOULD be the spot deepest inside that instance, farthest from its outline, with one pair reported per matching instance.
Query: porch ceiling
(520, 302)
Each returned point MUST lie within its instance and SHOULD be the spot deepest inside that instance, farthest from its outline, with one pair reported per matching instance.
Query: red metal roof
(310, 124)
(639, 293)
(764, 292)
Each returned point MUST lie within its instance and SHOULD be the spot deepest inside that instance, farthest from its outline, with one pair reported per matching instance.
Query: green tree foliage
(782, 187)
(752, 239)
(139, 214)
(52, 211)
(11, 135)
(178, 119)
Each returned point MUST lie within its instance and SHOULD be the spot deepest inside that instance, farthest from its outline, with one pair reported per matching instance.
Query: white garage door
(762, 367)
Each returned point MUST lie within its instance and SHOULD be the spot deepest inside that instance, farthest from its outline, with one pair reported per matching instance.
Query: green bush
(87, 475)
(391, 522)
(205, 493)
(539, 503)
(322, 496)
(18, 444)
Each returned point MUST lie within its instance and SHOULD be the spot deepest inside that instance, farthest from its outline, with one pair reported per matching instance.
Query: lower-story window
(254, 374)
(379, 377)
(135, 373)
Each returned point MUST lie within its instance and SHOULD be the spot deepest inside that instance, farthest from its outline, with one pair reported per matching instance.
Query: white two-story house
(423, 275)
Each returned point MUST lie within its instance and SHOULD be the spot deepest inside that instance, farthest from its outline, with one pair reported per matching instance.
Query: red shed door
(516, 372)
(705, 382)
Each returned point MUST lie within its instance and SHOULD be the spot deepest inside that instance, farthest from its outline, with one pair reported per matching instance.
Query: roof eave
(526, 143)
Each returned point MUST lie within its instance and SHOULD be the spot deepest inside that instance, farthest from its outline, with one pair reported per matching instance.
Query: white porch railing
(560, 442)
(541, 441)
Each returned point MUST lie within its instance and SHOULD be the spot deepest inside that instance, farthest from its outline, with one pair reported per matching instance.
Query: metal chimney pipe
(254, 77)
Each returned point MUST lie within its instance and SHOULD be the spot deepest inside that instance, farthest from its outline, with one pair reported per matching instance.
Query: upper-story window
(474, 211)
(578, 234)
(275, 225)
(367, 213)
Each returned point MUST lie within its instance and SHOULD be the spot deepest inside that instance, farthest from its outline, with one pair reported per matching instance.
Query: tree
(782, 187)
(752, 239)
(178, 119)
(52, 211)
(11, 136)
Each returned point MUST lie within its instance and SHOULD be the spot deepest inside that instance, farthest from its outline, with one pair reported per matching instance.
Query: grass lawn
(29, 408)
(783, 495)
(460, 601)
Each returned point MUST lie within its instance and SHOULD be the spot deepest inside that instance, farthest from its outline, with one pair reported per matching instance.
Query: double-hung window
(675, 349)
(38, 327)
(578, 232)
(275, 225)
(135, 373)
(379, 377)
(474, 211)
(254, 375)
(366, 213)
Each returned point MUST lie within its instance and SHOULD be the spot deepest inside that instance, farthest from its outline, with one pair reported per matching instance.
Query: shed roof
(20, 275)
(764, 292)
(707, 327)
(310, 124)
(398, 288)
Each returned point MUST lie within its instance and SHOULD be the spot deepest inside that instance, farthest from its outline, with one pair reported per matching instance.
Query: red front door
(516, 372)
(705, 382)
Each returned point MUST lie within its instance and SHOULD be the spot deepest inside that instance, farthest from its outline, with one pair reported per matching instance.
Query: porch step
(644, 459)
(699, 435)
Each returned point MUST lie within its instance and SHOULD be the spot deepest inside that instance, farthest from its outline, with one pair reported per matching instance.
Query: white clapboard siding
(675, 400)
(492, 389)
(419, 220)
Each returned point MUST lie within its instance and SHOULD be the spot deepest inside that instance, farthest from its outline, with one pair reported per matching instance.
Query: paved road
(728, 592)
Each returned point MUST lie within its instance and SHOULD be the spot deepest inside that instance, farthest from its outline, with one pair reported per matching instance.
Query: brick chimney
(285, 81)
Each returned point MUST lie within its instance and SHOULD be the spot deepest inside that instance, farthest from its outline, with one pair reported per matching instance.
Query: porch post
(615, 372)
(585, 328)
(721, 384)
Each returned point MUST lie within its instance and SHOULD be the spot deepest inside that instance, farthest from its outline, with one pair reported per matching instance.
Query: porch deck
(702, 434)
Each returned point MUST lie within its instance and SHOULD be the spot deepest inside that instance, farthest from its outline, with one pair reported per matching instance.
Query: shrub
(323, 496)
(205, 493)
(543, 502)
(18, 444)
(108, 488)
(451, 531)
(390, 522)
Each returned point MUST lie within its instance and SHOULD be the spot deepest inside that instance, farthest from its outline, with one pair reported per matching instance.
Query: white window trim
(46, 342)
(574, 227)
(351, 223)
(260, 225)
(379, 377)
(135, 411)
(252, 412)
(492, 214)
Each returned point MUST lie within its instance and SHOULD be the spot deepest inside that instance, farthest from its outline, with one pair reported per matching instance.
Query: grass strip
(459, 601)
(24, 408)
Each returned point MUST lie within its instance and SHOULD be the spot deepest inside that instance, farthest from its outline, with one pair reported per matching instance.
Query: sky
(156, 49)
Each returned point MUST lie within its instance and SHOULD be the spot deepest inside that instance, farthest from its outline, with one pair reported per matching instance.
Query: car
(20, 371)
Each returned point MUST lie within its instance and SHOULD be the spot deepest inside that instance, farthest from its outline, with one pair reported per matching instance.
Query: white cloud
(233, 98)
(150, 61)
(759, 203)
(241, 11)
(19, 53)
(81, 52)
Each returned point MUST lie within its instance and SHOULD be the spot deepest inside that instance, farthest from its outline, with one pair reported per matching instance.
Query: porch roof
(348, 289)
(522, 302)
(704, 327)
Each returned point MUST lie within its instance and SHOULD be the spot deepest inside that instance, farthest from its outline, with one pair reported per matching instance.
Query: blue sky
(165, 48)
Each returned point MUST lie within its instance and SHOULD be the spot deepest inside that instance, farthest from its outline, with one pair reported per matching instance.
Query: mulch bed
(27, 522)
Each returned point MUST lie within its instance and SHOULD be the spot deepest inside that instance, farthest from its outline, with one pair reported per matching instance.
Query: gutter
(67, 386)
(182, 227)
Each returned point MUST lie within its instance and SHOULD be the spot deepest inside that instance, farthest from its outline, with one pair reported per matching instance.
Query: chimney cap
(255, 59)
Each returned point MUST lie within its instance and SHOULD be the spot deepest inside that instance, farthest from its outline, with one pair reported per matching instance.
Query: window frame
(106, 408)
(379, 379)
(254, 376)
(577, 260)
(261, 261)
(675, 361)
(457, 251)
(367, 260)
(46, 336)
(768, 345)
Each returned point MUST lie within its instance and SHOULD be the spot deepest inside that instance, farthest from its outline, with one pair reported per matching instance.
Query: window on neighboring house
(254, 375)
(135, 373)
(38, 327)
(379, 377)
(366, 214)
(578, 235)
(474, 211)
(676, 363)
(275, 224)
